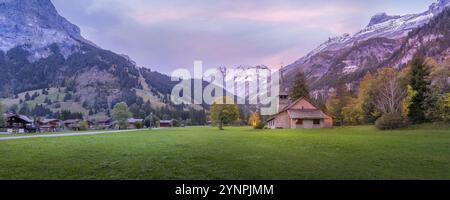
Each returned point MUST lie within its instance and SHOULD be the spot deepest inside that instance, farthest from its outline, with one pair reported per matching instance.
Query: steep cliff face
(35, 25)
(386, 41)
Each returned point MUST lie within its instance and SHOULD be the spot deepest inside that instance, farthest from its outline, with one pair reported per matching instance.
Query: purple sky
(165, 35)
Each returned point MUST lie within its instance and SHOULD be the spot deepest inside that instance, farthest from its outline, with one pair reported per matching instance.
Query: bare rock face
(35, 25)
(381, 17)
(350, 56)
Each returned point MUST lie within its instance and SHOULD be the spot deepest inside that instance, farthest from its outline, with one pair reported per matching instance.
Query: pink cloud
(320, 17)
(324, 17)
(289, 14)
(157, 15)
(283, 58)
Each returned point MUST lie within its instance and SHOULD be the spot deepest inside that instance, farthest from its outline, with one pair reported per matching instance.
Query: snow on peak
(330, 43)
(380, 18)
(381, 25)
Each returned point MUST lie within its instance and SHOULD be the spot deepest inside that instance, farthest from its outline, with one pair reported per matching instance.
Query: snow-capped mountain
(353, 54)
(242, 76)
(383, 25)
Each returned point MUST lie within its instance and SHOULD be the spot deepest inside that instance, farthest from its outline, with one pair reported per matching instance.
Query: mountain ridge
(352, 55)
(41, 50)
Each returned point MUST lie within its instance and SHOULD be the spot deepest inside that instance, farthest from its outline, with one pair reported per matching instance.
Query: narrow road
(65, 134)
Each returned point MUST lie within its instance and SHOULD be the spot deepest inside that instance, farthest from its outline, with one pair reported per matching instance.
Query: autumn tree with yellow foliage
(364, 104)
(254, 119)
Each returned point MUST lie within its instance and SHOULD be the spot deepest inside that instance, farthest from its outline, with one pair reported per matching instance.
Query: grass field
(237, 153)
(49, 133)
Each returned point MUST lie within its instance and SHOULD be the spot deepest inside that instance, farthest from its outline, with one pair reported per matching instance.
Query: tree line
(393, 98)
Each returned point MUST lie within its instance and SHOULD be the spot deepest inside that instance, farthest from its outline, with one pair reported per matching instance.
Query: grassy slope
(237, 153)
(55, 95)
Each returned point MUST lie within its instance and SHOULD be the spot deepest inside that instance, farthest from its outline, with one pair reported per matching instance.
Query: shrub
(390, 121)
(138, 125)
(176, 123)
(260, 125)
(74, 127)
(83, 125)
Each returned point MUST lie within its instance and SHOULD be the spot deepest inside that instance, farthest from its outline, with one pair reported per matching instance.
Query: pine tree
(35, 95)
(47, 101)
(24, 110)
(420, 84)
(27, 97)
(300, 88)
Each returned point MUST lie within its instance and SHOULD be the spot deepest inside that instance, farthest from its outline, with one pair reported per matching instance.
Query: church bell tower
(283, 96)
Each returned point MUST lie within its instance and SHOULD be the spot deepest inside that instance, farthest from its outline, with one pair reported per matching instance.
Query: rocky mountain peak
(36, 24)
(374, 46)
(36, 14)
(381, 17)
(30, 5)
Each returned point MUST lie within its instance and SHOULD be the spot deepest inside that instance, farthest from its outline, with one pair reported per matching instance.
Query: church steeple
(283, 96)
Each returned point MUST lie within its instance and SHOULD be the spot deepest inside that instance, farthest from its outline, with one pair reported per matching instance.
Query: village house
(298, 114)
(166, 123)
(50, 125)
(19, 124)
(74, 124)
(104, 123)
(135, 123)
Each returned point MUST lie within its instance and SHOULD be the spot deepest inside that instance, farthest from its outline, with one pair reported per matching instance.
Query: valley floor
(237, 153)
(4, 137)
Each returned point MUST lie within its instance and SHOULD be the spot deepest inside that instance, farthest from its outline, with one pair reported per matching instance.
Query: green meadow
(204, 153)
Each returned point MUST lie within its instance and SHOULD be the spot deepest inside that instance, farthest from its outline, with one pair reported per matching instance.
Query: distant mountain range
(44, 55)
(387, 41)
